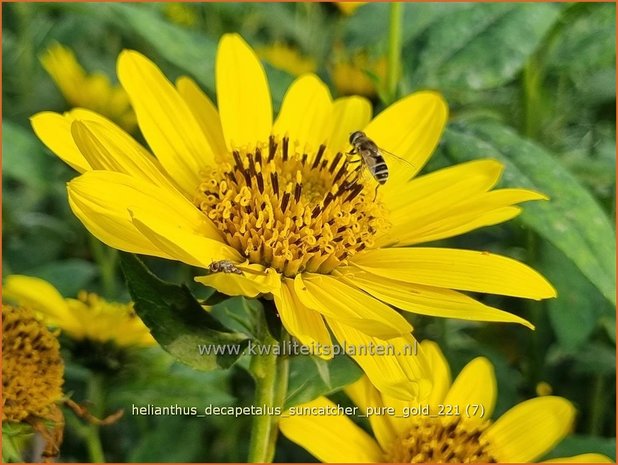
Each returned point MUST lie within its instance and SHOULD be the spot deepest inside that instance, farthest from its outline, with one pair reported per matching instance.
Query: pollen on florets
(32, 369)
(291, 210)
(432, 440)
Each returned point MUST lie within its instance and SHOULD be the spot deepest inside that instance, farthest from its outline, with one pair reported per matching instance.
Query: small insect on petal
(223, 266)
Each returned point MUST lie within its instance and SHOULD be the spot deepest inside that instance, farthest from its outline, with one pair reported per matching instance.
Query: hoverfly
(371, 157)
(224, 266)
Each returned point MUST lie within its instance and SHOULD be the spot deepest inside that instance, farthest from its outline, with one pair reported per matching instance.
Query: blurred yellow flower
(93, 91)
(452, 426)
(87, 317)
(32, 369)
(349, 7)
(278, 201)
(358, 74)
(287, 58)
(180, 13)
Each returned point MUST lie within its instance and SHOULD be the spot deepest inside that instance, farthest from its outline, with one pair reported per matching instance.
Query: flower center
(432, 441)
(32, 369)
(290, 210)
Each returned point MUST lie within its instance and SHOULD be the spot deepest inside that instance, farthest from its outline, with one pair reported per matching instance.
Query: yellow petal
(466, 270)
(165, 120)
(332, 438)
(530, 429)
(435, 210)
(440, 373)
(349, 114)
(582, 458)
(474, 177)
(425, 300)
(54, 130)
(255, 280)
(451, 227)
(205, 113)
(446, 218)
(107, 147)
(410, 128)
(395, 366)
(180, 240)
(305, 115)
(304, 324)
(42, 297)
(474, 390)
(369, 400)
(243, 95)
(335, 299)
(101, 200)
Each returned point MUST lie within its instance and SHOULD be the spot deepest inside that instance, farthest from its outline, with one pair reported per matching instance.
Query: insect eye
(353, 136)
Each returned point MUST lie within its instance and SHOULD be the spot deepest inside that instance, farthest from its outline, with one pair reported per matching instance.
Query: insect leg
(356, 173)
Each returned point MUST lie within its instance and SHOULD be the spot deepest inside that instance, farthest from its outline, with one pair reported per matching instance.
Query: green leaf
(597, 359)
(588, 34)
(189, 50)
(580, 444)
(572, 220)
(156, 445)
(15, 439)
(608, 323)
(178, 322)
(483, 46)
(68, 276)
(311, 377)
(579, 308)
(367, 25)
(153, 377)
(23, 157)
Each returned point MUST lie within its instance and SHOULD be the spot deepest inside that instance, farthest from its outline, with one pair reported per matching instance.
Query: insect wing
(391, 156)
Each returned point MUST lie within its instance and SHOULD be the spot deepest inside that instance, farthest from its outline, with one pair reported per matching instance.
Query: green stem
(394, 51)
(270, 373)
(96, 395)
(281, 390)
(107, 260)
(598, 405)
(532, 78)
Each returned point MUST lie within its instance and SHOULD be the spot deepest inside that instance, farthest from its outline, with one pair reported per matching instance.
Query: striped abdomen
(376, 165)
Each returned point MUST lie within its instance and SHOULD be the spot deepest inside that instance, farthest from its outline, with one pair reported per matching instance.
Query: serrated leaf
(572, 220)
(484, 46)
(308, 380)
(178, 322)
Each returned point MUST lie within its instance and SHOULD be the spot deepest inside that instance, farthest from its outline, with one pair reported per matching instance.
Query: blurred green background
(532, 85)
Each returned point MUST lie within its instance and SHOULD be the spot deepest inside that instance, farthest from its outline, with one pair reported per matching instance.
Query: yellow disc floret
(433, 440)
(289, 210)
(32, 368)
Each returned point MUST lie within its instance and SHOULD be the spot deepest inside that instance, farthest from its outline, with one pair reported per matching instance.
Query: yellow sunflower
(92, 91)
(87, 317)
(32, 369)
(453, 426)
(276, 200)
(287, 58)
(359, 74)
(349, 8)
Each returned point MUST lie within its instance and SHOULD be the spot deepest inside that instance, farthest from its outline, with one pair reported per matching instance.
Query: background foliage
(532, 85)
